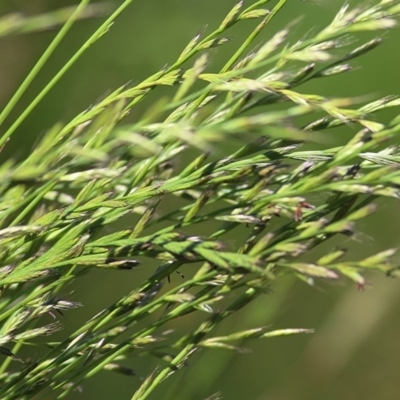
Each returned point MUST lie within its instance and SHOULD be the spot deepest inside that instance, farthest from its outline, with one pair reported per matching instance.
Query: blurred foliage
(354, 328)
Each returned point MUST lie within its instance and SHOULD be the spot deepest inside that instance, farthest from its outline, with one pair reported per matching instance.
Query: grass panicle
(59, 205)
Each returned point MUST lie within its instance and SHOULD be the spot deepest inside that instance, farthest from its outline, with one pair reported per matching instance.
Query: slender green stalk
(35, 70)
(52, 82)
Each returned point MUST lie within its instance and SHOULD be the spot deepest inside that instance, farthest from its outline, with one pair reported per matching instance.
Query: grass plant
(61, 204)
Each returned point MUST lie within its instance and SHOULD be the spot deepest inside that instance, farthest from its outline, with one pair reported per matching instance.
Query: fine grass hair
(107, 191)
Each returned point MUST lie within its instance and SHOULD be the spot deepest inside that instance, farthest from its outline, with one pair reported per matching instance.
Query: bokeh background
(355, 352)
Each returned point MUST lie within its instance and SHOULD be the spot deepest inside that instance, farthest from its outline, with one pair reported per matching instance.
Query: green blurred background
(355, 352)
